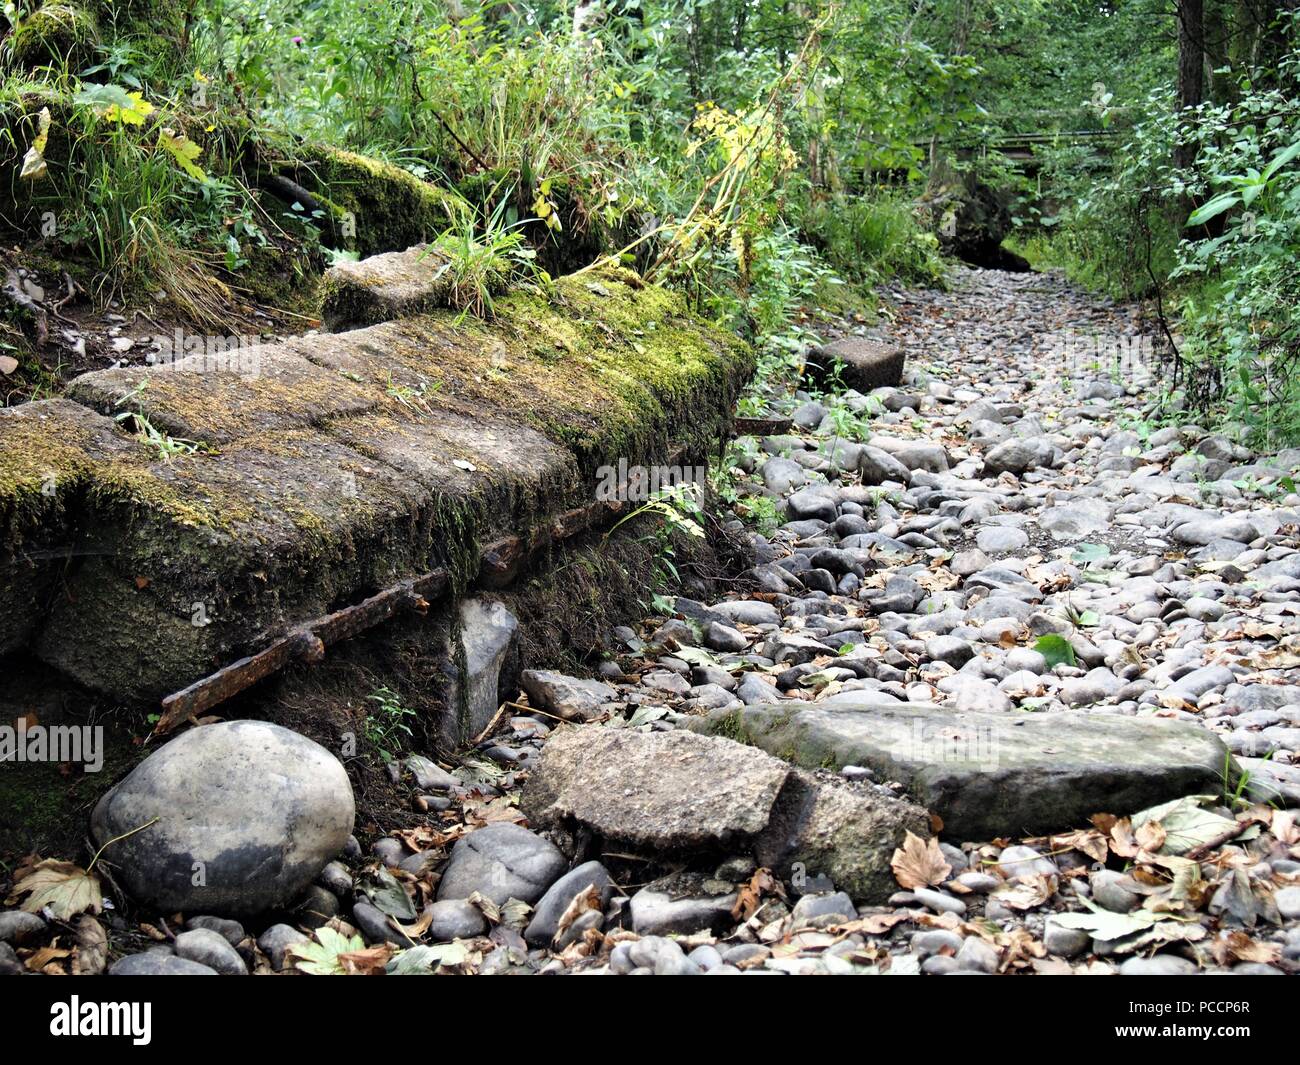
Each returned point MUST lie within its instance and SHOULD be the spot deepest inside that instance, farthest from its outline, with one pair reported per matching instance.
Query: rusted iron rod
(499, 563)
(306, 642)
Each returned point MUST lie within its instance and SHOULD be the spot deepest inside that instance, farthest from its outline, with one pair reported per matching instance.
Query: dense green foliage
(768, 158)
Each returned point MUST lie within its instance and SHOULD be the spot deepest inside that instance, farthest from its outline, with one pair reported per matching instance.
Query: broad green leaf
(1086, 554)
(1056, 649)
(1281, 159)
(424, 960)
(1212, 208)
(1188, 824)
(387, 895)
(321, 956)
(183, 150)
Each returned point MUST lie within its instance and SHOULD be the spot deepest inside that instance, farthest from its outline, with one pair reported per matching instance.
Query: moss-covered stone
(384, 287)
(342, 464)
(241, 392)
(58, 35)
(390, 208)
(606, 365)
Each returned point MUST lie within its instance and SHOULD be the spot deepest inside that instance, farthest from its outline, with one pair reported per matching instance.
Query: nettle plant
(1242, 244)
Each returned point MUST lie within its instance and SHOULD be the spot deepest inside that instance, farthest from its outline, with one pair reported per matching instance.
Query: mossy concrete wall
(328, 467)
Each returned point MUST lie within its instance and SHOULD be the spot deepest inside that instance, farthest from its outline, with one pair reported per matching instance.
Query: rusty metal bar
(306, 642)
(499, 563)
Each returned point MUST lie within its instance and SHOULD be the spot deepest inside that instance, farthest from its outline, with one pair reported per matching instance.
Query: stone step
(994, 775)
(328, 467)
(385, 287)
(859, 363)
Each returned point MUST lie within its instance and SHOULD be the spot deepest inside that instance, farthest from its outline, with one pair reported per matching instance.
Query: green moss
(39, 470)
(392, 209)
(45, 811)
(55, 34)
(608, 367)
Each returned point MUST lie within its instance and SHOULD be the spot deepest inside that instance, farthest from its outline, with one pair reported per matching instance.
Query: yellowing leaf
(183, 150)
(919, 862)
(34, 161)
(330, 955)
(66, 889)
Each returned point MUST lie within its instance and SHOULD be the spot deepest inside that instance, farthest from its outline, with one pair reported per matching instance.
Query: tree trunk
(1191, 68)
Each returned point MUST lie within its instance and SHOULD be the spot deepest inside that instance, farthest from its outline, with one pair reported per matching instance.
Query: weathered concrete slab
(605, 366)
(845, 834)
(336, 465)
(683, 793)
(863, 364)
(218, 399)
(211, 554)
(48, 452)
(663, 790)
(382, 288)
(990, 775)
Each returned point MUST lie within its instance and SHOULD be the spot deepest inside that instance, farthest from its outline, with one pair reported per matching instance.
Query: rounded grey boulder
(245, 815)
(501, 861)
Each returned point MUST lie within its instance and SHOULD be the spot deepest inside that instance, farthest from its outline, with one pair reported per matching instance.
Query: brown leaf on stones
(43, 960)
(418, 927)
(499, 809)
(1122, 840)
(1089, 842)
(919, 862)
(423, 837)
(1286, 828)
(369, 962)
(1026, 893)
(1150, 837)
(582, 902)
(1232, 947)
(1019, 949)
(875, 924)
(92, 948)
(749, 897)
(1103, 823)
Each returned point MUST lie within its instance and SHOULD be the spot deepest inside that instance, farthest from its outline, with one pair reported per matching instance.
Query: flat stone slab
(217, 399)
(663, 790)
(863, 364)
(330, 466)
(990, 775)
(380, 288)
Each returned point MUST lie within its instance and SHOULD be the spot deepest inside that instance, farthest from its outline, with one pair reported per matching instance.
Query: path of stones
(1005, 495)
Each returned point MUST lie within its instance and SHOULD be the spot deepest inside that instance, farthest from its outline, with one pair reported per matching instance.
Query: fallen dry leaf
(67, 889)
(583, 902)
(1286, 828)
(751, 895)
(39, 960)
(875, 924)
(1087, 841)
(369, 962)
(919, 863)
(1026, 892)
(1235, 946)
(92, 947)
